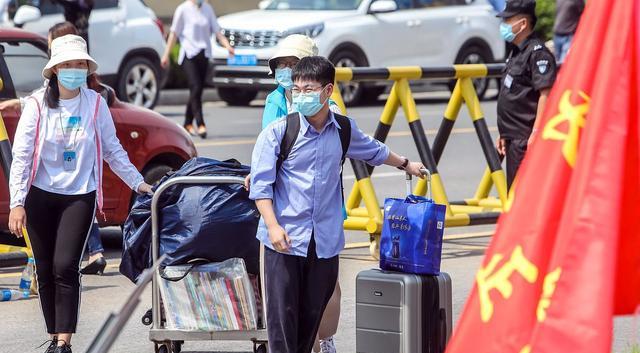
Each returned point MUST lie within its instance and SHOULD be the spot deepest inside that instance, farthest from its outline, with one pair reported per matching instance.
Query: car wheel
(352, 92)
(474, 55)
(153, 173)
(138, 83)
(237, 97)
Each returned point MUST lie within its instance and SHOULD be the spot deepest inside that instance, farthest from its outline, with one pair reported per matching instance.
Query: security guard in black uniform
(529, 74)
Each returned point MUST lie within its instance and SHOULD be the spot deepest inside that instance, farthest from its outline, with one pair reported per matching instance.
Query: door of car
(18, 64)
(107, 25)
(51, 14)
(108, 35)
(389, 36)
(439, 24)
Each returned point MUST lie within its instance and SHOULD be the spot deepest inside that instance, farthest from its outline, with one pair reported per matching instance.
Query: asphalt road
(232, 133)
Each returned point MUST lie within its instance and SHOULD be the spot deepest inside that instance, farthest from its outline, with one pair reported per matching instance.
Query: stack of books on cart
(211, 297)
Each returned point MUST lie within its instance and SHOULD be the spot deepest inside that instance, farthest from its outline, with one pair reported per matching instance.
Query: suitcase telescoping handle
(427, 174)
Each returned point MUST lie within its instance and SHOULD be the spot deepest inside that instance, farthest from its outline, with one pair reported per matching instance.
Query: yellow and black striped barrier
(10, 255)
(481, 209)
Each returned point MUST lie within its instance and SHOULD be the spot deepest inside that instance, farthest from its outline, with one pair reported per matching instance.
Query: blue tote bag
(411, 239)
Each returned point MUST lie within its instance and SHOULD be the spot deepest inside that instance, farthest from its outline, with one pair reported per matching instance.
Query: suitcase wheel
(260, 348)
(147, 318)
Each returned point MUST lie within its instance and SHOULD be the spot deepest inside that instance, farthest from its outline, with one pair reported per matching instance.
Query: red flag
(565, 257)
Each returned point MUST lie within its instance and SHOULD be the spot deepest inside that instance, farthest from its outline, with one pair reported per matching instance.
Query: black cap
(519, 7)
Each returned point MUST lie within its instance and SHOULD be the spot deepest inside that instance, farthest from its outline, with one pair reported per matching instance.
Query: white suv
(126, 39)
(375, 33)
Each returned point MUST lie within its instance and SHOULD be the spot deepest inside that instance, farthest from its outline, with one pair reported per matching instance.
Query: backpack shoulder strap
(289, 138)
(345, 134)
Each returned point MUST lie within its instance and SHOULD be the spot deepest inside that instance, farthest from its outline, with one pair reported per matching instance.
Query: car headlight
(309, 31)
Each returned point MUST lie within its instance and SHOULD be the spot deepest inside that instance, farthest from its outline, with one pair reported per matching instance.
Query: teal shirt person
(276, 106)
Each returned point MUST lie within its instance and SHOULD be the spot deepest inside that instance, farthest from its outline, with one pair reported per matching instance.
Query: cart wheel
(262, 348)
(147, 318)
(374, 247)
(177, 346)
(164, 349)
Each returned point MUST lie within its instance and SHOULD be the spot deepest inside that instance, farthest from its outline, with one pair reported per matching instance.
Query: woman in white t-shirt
(194, 25)
(64, 134)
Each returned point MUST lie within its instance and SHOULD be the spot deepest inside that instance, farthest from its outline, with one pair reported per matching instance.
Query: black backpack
(291, 135)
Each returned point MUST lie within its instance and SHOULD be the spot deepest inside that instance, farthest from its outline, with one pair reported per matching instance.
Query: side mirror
(25, 14)
(383, 6)
(264, 4)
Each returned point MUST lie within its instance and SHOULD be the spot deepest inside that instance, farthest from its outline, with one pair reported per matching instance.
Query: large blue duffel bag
(214, 222)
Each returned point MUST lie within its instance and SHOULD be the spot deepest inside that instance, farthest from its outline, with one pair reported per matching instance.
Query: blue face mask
(199, 2)
(283, 77)
(72, 79)
(506, 31)
(308, 104)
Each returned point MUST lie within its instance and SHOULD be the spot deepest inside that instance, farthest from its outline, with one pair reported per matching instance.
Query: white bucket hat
(67, 48)
(296, 45)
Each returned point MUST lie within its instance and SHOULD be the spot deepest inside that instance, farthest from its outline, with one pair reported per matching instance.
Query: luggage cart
(170, 340)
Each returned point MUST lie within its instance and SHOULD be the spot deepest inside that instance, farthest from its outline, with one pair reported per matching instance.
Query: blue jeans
(561, 45)
(94, 243)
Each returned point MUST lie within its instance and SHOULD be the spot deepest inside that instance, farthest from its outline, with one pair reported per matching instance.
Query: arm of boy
(277, 235)
(262, 179)
(374, 152)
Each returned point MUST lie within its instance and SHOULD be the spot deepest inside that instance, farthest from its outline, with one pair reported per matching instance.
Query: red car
(155, 144)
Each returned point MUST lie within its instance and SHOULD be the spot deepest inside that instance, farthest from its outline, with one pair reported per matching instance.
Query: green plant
(546, 11)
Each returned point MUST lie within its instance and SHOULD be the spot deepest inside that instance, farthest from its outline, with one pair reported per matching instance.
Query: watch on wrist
(404, 164)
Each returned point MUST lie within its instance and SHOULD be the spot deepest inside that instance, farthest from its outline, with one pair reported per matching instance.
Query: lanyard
(70, 145)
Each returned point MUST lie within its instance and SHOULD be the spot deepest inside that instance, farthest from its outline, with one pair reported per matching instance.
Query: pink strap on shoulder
(99, 162)
(36, 151)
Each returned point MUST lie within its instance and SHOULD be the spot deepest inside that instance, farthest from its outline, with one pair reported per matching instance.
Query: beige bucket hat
(67, 48)
(296, 45)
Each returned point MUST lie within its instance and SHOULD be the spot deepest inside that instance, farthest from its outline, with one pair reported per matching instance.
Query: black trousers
(516, 150)
(298, 290)
(196, 71)
(58, 227)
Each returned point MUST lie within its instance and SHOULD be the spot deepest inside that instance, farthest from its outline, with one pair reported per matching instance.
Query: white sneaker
(327, 346)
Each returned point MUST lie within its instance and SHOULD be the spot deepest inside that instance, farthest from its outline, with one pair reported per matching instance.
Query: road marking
(468, 236)
(366, 244)
(377, 175)
(252, 141)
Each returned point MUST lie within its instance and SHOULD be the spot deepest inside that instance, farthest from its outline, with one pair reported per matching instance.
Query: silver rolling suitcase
(402, 313)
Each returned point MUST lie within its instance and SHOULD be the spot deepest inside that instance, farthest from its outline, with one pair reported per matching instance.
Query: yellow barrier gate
(481, 209)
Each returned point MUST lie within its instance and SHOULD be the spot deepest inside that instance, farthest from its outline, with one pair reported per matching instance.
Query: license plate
(242, 60)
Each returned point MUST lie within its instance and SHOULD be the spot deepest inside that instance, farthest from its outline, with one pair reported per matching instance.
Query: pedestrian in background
(55, 183)
(278, 104)
(194, 25)
(528, 77)
(300, 204)
(77, 12)
(97, 263)
(568, 14)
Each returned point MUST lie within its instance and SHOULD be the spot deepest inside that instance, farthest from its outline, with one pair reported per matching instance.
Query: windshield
(314, 5)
